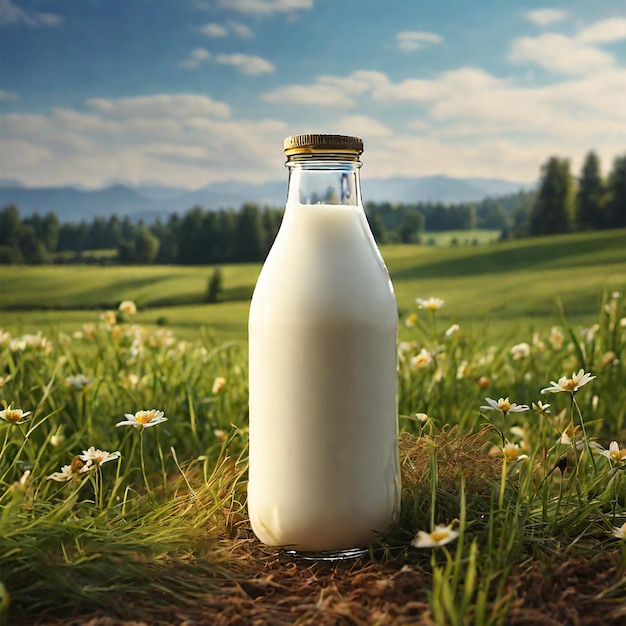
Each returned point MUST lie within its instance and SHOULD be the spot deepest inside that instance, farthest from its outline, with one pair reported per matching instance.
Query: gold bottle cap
(311, 143)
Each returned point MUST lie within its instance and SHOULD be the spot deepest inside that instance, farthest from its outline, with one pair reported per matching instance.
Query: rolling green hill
(502, 287)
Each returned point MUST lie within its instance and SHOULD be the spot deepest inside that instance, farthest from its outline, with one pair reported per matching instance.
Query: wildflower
(541, 409)
(538, 342)
(590, 333)
(78, 382)
(143, 419)
(91, 456)
(569, 435)
(462, 370)
(14, 416)
(411, 320)
(131, 381)
(594, 402)
(455, 329)
(614, 453)
(109, 318)
(56, 440)
(432, 304)
(504, 405)
(511, 452)
(89, 330)
(520, 351)
(572, 384)
(440, 536)
(220, 434)
(5, 337)
(609, 358)
(23, 479)
(404, 346)
(36, 342)
(128, 307)
(619, 531)
(484, 382)
(422, 417)
(218, 385)
(64, 475)
(423, 359)
(556, 338)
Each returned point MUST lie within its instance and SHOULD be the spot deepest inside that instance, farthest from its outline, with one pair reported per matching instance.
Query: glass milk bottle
(324, 471)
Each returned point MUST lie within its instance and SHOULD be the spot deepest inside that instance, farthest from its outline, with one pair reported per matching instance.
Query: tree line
(593, 203)
(560, 204)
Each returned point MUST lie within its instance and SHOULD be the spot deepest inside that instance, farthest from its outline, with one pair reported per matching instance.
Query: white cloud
(411, 40)
(327, 91)
(560, 54)
(266, 7)
(10, 13)
(8, 96)
(312, 95)
(545, 17)
(361, 126)
(241, 29)
(604, 31)
(219, 30)
(161, 105)
(247, 64)
(213, 30)
(184, 142)
(469, 122)
(195, 59)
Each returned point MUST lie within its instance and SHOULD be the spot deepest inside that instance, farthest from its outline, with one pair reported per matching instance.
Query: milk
(323, 408)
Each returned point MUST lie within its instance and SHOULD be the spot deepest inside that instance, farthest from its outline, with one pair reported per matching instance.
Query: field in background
(497, 288)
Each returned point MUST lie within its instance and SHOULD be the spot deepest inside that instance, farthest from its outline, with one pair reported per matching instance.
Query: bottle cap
(312, 143)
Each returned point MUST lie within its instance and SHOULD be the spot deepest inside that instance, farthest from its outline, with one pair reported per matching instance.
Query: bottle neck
(324, 179)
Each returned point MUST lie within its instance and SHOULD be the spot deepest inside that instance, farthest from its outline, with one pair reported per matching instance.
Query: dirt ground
(278, 590)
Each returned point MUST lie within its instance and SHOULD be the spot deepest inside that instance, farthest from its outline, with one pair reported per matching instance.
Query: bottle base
(327, 555)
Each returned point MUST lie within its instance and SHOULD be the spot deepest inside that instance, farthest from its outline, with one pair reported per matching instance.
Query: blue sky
(187, 92)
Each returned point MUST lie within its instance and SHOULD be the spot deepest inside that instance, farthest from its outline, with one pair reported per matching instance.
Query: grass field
(513, 459)
(497, 288)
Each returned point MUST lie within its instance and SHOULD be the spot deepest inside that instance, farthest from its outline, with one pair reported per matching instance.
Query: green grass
(160, 535)
(498, 288)
(471, 237)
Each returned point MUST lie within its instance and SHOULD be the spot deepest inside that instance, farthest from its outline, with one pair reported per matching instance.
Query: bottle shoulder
(325, 262)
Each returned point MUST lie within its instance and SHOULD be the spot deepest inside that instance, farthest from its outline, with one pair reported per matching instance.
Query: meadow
(123, 447)
(497, 288)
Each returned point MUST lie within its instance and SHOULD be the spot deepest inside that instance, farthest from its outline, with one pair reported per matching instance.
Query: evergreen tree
(215, 286)
(590, 196)
(378, 228)
(552, 211)
(248, 241)
(411, 230)
(616, 205)
(10, 225)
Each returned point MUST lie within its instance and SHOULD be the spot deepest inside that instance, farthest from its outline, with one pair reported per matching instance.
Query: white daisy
(143, 419)
(504, 406)
(440, 536)
(572, 384)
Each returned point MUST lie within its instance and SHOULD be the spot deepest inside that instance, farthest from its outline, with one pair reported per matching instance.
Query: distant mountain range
(151, 201)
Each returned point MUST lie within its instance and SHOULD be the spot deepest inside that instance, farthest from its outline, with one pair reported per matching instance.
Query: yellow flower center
(145, 417)
(569, 385)
(13, 415)
(504, 405)
(439, 535)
